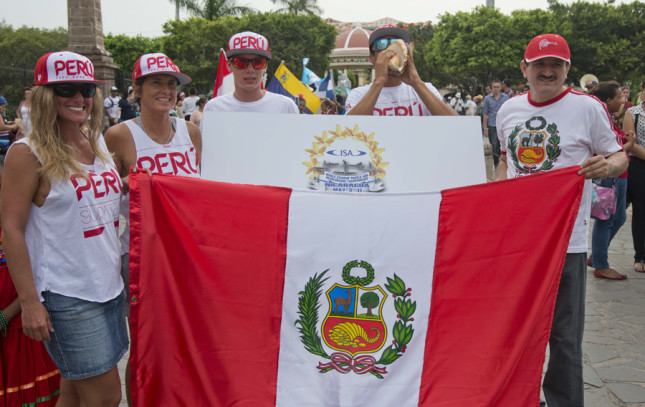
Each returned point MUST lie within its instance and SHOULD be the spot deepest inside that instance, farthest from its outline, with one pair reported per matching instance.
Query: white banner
(343, 153)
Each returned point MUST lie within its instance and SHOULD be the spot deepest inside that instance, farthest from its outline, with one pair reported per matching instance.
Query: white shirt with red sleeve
(562, 132)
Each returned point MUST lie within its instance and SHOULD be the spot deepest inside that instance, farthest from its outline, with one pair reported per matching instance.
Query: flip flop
(589, 262)
(598, 274)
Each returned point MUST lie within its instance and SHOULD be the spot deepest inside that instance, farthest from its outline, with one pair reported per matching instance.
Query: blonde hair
(46, 139)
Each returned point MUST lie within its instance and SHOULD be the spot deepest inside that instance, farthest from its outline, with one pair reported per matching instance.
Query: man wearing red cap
(395, 94)
(553, 126)
(247, 57)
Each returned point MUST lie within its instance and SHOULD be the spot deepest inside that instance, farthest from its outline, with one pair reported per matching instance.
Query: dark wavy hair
(605, 90)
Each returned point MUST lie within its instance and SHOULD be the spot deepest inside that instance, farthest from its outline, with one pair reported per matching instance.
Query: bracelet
(4, 323)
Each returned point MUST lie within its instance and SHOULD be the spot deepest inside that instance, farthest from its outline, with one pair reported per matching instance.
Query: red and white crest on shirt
(531, 150)
(535, 146)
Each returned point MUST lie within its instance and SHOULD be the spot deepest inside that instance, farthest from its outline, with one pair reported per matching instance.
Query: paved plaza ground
(614, 340)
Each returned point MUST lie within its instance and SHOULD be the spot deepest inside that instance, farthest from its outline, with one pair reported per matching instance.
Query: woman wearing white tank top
(154, 141)
(23, 113)
(59, 207)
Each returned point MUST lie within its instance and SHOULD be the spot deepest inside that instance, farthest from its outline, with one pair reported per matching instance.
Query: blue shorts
(89, 338)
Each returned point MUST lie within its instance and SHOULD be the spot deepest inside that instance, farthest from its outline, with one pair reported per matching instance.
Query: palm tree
(212, 9)
(191, 5)
(299, 6)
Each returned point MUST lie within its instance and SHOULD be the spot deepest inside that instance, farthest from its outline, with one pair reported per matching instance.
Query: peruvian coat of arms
(354, 327)
(539, 146)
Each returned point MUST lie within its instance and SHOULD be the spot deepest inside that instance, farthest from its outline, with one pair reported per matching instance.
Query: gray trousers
(563, 383)
(494, 142)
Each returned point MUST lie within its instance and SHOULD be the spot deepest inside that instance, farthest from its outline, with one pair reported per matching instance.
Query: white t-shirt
(561, 132)
(270, 103)
(400, 100)
(470, 108)
(189, 104)
(26, 121)
(111, 103)
(457, 104)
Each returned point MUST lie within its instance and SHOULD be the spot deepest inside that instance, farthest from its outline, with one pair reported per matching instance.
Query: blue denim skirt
(89, 338)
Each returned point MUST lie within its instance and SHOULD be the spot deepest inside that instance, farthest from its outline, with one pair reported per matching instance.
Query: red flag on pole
(224, 82)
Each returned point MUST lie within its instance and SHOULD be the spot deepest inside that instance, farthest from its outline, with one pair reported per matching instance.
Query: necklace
(172, 127)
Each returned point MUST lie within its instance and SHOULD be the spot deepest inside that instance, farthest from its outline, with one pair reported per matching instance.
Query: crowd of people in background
(58, 130)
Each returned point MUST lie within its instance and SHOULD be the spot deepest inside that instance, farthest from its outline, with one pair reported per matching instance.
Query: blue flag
(308, 76)
(326, 88)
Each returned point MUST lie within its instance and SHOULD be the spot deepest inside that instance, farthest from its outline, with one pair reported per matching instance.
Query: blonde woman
(60, 207)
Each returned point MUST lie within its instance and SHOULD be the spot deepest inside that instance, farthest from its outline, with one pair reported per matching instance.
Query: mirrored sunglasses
(68, 90)
(382, 43)
(242, 63)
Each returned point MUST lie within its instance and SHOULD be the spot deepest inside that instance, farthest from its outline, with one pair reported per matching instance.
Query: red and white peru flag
(224, 82)
(263, 296)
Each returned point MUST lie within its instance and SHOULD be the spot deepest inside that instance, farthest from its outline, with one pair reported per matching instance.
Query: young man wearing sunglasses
(247, 57)
(395, 94)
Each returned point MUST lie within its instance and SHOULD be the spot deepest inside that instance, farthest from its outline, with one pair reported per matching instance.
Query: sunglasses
(382, 43)
(68, 90)
(242, 63)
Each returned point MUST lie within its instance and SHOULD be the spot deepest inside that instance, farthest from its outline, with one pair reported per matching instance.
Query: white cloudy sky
(146, 17)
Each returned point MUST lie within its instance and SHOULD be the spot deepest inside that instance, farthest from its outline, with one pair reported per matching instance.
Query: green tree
(470, 49)
(126, 50)
(194, 47)
(420, 35)
(20, 49)
(194, 44)
(369, 300)
(605, 39)
(299, 6)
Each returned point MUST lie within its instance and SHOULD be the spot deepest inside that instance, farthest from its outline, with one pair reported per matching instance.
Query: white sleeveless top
(73, 237)
(178, 157)
(640, 129)
(26, 120)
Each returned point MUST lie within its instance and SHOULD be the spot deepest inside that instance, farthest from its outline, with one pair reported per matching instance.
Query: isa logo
(346, 160)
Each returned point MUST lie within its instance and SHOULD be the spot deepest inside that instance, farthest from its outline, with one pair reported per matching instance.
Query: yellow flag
(293, 87)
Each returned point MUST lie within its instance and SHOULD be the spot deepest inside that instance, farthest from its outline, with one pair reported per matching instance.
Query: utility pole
(490, 3)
